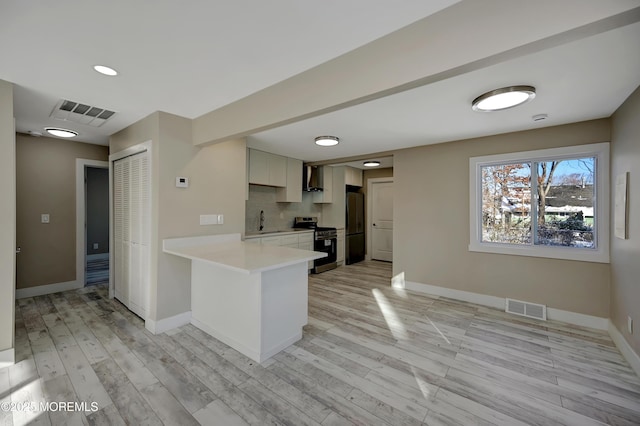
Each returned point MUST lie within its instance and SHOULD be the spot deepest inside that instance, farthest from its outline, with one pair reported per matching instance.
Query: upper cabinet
(268, 169)
(352, 176)
(292, 192)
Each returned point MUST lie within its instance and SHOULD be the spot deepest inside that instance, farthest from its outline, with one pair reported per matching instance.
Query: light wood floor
(371, 355)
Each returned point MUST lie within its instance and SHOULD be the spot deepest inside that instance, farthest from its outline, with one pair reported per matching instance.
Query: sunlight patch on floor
(401, 292)
(438, 330)
(394, 322)
(425, 387)
(397, 281)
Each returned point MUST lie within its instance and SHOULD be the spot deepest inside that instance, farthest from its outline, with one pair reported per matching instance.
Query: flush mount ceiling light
(327, 140)
(371, 163)
(506, 97)
(102, 69)
(61, 133)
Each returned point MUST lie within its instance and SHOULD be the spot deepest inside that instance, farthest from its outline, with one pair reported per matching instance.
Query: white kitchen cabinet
(301, 240)
(326, 195)
(131, 206)
(278, 170)
(305, 242)
(289, 241)
(340, 247)
(267, 169)
(272, 241)
(352, 176)
(292, 192)
(258, 167)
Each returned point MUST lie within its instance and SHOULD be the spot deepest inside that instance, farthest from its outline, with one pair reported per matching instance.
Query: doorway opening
(92, 222)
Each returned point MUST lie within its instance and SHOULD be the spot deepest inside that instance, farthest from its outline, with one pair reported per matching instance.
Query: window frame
(601, 198)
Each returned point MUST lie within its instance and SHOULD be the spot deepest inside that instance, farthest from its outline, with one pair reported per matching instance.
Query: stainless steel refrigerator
(354, 230)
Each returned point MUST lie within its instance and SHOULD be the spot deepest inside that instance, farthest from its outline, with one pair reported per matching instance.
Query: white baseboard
(627, 351)
(166, 324)
(578, 319)
(227, 340)
(99, 256)
(7, 357)
(465, 296)
(500, 302)
(41, 290)
(258, 356)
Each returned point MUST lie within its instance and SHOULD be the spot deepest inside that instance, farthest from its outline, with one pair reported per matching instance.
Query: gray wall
(46, 183)
(217, 179)
(97, 198)
(625, 254)
(7, 218)
(431, 226)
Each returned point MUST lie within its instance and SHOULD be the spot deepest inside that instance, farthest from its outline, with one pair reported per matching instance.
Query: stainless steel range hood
(312, 178)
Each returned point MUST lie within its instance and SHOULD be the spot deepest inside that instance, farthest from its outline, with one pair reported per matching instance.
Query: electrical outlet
(95, 246)
(630, 324)
(208, 219)
(44, 218)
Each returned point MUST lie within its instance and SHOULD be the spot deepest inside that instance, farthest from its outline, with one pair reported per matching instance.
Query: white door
(382, 221)
(131, 231)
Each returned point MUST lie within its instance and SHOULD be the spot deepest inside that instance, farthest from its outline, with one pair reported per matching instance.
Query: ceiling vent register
(81, 113)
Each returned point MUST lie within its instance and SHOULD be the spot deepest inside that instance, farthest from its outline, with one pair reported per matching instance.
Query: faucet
(261, 220)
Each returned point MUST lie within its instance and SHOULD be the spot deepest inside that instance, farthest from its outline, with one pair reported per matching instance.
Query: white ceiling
(578, 81)
(190, 60)
(186, 58)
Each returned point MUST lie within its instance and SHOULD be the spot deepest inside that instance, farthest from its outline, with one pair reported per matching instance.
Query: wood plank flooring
(370, 355)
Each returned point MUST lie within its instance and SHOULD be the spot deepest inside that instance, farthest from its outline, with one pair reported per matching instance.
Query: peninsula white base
(253, 297)
(258, 314)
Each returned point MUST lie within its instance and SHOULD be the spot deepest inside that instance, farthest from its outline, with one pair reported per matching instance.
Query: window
(548, 203)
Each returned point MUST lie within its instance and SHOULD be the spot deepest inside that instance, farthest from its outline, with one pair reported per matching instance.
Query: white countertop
(229, 252)
(260, 234)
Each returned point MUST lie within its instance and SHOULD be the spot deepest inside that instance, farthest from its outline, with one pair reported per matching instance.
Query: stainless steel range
(325, 240)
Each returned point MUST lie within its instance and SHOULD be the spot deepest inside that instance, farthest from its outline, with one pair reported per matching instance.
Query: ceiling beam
(465, 37)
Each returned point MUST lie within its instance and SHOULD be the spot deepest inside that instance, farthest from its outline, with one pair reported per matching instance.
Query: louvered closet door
(120, 221)
(139, 273)
(131, 233)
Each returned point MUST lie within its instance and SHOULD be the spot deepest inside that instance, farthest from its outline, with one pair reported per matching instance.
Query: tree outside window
(563, 210)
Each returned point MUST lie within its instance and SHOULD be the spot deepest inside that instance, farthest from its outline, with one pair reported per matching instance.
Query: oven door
(325, 245)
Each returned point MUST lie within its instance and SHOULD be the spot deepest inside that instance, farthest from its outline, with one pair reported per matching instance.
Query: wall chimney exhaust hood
(312, 178)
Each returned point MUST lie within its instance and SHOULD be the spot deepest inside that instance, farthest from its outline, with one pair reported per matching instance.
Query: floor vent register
(526, 309)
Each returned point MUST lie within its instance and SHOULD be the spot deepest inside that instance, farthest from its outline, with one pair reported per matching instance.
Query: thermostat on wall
(182, 182)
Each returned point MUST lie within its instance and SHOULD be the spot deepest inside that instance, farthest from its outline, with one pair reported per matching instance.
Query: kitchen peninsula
(253, 297)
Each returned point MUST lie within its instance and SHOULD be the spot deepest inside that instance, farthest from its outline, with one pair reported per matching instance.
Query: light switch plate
(44, 218)
(220, 219)
(630, 324)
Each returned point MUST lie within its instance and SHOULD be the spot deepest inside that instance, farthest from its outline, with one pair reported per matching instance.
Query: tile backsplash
(276, 215)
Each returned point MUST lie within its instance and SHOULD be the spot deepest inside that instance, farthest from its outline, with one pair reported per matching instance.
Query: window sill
(549, 252)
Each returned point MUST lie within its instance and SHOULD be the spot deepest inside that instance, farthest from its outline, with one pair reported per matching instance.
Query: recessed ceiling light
(61, 133)
(371, 163)
(102, 69)
(506, 97)
(327, 140)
